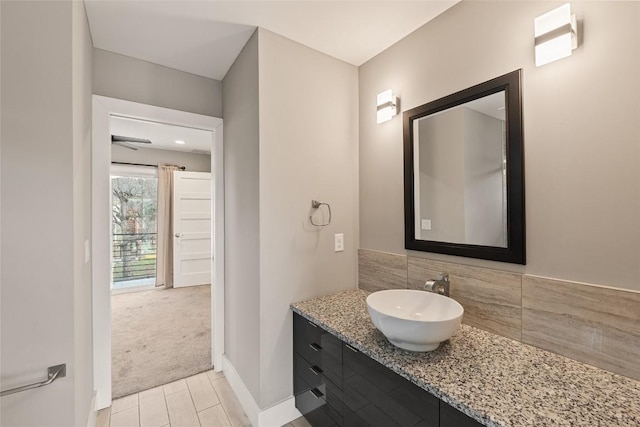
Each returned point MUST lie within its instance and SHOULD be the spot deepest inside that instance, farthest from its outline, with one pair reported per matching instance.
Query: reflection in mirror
(464, 173)
(460, 180)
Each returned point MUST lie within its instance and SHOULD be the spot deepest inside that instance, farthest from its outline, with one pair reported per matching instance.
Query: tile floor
(203, 400)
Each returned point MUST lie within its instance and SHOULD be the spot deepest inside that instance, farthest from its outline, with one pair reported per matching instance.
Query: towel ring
(316, 205)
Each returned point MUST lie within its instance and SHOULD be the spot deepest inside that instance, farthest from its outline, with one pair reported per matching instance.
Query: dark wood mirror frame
(514, 252)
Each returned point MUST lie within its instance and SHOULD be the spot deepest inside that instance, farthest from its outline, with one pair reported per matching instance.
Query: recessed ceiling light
(179, 141)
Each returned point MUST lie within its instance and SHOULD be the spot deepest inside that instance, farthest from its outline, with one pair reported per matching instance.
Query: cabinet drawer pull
(312, 324)
(315, 370)
(352, 349)
(316, 393)
(315, 347)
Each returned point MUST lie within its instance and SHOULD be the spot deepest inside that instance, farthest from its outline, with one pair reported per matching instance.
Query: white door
(191, 228)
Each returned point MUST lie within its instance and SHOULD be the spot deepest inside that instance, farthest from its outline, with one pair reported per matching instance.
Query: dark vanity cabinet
(380, 397)
(451, 417)
(317, 373)
(337, 385)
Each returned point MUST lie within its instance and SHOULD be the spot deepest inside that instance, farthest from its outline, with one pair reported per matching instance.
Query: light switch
(426, 224)
(339, 242)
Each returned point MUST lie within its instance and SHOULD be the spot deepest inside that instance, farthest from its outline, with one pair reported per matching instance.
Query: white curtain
(164, 243)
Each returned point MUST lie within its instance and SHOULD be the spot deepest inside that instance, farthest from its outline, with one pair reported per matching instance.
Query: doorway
(103, 110)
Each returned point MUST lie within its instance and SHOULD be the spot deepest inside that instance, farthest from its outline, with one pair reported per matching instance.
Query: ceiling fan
(128, 141)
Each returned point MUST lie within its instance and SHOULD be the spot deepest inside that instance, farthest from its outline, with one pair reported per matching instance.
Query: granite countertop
(495, 380)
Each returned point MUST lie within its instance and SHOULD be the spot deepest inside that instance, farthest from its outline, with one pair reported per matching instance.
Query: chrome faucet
(439, 286)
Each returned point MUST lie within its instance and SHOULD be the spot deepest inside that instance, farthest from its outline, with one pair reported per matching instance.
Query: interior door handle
(178, 235)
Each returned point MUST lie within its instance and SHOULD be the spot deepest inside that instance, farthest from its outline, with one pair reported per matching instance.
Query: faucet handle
(428, 285)
(439, 286)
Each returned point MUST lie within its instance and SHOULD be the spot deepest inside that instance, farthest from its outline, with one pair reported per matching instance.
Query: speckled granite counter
(495, 380)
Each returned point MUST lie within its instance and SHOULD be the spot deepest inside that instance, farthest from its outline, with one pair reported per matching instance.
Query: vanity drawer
(311, 399)
(321, 405)
(306, 336)
(307, 376)
(319, 348)
(323, 417)
(316, 406)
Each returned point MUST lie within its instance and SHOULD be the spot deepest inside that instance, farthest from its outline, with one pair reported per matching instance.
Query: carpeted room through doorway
(159, 336)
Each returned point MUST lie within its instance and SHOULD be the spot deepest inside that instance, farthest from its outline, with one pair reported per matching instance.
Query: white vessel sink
(414, 320)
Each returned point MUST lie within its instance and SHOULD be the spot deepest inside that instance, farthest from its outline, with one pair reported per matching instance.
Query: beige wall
(442, 178)
(193, 162)
(308, 150)
(123, 77)
(46, 306)
(460, 188)
(290, 136)
(483, 215)
(242, 210)
(581, 133)
(82, 47)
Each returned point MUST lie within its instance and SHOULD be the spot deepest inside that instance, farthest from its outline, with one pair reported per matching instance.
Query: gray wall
(308, 150)
(581, 132)
(82, 46)
(483, 215)
(460, 152)
(442, 163)
(123, 77)
(242, 210)
(290, 136)
(193, 162)
(46, 116)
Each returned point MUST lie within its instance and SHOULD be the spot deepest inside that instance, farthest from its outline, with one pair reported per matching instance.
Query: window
(134, 204)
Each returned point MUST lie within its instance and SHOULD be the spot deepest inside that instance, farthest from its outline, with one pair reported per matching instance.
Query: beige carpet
(159, 336)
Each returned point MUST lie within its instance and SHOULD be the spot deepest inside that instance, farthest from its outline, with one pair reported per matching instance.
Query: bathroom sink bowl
(414, 320)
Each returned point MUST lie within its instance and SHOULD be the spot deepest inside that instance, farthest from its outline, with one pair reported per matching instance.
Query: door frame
(103, 109)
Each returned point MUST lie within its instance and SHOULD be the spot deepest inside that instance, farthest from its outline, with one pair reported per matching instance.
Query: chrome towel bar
(53, 373)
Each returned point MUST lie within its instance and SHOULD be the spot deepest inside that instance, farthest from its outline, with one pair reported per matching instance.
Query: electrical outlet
(339, 242)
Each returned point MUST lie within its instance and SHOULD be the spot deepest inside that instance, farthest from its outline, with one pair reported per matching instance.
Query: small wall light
(555, 35)
(387, 106)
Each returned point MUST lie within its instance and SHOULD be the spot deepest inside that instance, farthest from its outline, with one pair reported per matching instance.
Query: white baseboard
(279, 414)
(274, 416)
(93, 413)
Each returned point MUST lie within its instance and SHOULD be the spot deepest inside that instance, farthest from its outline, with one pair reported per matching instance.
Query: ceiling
(491, 105)
(205, 37)
(162, 135)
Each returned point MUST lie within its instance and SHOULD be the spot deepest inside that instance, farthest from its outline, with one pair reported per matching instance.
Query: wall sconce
(387, 106)
(555, 35)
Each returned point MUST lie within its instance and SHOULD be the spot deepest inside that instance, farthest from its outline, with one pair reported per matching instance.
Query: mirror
(464, 173)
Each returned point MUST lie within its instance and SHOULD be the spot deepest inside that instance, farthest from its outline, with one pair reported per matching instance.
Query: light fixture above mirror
(556, 35)
(387, 104)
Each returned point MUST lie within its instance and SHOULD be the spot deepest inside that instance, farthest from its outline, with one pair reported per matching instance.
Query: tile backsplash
(595, 325)
(491, 298)
(376, 272)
